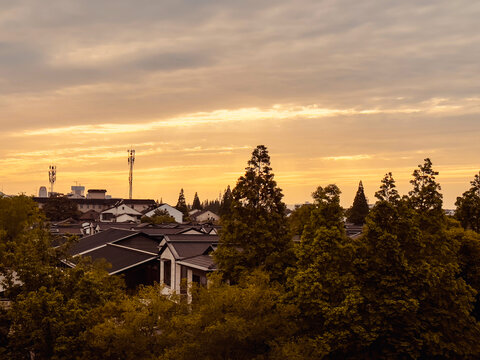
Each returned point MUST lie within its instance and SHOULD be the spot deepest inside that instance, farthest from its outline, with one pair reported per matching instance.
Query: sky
(339, 91)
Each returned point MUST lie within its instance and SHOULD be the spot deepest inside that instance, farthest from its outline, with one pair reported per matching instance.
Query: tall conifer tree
(181, 204)
(196, 205)
(255, 232)
(226, 201)
(359, 210)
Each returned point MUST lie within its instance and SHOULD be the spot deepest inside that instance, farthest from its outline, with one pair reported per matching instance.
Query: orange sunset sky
(339, 91)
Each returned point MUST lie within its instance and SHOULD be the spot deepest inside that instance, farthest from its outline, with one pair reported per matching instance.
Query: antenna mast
(131, 160)
(52, 177)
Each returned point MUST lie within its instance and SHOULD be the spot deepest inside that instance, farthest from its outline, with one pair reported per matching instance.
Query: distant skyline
(339, 91)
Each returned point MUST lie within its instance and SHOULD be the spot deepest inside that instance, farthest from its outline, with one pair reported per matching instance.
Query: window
(167, 272)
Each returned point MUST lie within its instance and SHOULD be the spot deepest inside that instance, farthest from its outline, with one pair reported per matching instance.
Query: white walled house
(176, 214)
(185, 259)
(205, 216)
(120, 213)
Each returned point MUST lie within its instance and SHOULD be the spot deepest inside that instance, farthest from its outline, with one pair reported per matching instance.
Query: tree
(59, 208)
(299, 218)
(322, 283)
(425, 195)
(51, 306)
(238, 322)
(254, 233)
(159, 217)
(181, 204)
(359, 210)
(226, 202)
(388, 191)
(196, 203)
(468, 206)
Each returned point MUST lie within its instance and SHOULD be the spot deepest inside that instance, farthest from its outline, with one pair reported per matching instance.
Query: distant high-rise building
(78, 191)
(42, 192)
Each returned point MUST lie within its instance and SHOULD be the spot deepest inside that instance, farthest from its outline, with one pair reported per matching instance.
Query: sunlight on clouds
(277, 112)
(348, 157)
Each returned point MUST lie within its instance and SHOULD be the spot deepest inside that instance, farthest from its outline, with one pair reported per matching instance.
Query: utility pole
(131, 160)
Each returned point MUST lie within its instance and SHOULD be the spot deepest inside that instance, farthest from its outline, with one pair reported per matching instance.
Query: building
(185, 259)
(204, 216)
(176, 214)
(42, 192)
(120, 213)
(132, 254)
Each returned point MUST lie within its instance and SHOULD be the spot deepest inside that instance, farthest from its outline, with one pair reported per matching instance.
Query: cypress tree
(359, 210)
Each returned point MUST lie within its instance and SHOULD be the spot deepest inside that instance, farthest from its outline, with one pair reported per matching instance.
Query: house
(120, 213)
(204, 216)
(98, 201)
(176, 214)
(131, 253)
(185, 258)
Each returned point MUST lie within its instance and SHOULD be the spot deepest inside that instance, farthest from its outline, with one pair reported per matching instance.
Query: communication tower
(52, 177)
(131, 160)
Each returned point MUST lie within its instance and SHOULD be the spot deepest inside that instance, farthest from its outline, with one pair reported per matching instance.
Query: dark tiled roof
(164, 231)
(189, 249)
(92, 241)
(121, 258)
(192, 238)
(203, 262)
(141, 242)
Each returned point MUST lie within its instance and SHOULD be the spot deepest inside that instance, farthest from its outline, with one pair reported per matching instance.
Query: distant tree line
(407, 288)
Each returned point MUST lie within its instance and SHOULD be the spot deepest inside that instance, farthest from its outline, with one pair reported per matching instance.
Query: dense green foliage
(254, 232)
(359, 210)
(59, 208)
(51, 306)
(468, 206)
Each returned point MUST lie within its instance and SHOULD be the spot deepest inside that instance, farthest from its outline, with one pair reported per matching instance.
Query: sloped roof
(202, 262)
(120, 257)
(189, 249)
(90, 242)
(192, 238)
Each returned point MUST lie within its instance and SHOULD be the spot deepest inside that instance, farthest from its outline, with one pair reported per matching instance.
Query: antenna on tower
(52, 177)
(131, 160)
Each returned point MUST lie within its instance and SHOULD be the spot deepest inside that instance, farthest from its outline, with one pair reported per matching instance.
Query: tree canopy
(254, 232)
(59, 208)
(468, 206)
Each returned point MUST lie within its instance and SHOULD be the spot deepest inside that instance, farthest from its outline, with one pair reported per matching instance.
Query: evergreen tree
(359, 210)
(388, 191)
(425, 196)
(468, 206)
(196, 205)
(181, 204)
(226, 202)
(322, 284)
(254, 233)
